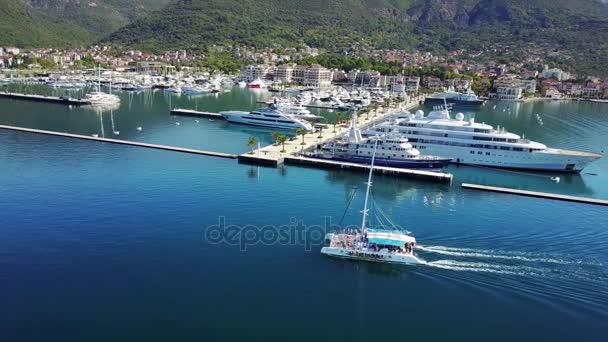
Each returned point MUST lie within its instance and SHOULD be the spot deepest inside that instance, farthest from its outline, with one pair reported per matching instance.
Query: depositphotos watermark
(296, 233)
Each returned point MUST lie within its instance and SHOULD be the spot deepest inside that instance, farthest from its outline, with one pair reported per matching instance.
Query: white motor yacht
(267, 117)
(472, 143)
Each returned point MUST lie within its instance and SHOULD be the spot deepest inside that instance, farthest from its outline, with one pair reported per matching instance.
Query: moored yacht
(98, 97)
(455, 98)
(298, 111)
(256, 84)
(472, 143)
(393, 151)
(101, 98)
(267, 117)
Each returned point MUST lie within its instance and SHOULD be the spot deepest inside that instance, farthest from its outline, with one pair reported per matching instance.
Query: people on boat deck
(363, 243)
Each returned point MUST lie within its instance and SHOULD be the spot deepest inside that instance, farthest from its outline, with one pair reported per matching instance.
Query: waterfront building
(433, 83)
(460, 85)
(370, 78)
(339, 76)
(509, 87)
(552, 92)
(254, 72)
(312, 76)
(284, 73)
(299, 74)
(508, 93)
(555, 73)
(528, 86)
(317, 76)
(412, 84)
(591, 90)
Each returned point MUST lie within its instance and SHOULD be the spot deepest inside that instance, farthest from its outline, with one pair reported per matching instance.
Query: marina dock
(535, 194)
(275, 155)
(190, 112)
(393, 171)
(313, 106)
(43, 98)
(121, 142)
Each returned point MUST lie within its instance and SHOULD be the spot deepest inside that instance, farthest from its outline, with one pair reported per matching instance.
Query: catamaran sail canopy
(388, 237)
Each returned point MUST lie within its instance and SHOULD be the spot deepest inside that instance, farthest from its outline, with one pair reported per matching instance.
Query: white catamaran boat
(375, 245)
(470, 143)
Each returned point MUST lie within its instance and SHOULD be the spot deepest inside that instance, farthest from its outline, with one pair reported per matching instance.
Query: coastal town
(417, 72)
(284, 170)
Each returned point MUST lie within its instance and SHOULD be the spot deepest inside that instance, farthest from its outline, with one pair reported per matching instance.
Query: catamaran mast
(369, 185)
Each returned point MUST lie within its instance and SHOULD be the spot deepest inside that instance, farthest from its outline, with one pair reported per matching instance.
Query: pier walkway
(314, 106)
(535, 194)
(42, 98)
(406, 173)
(275, 155)
(298, 145)
(122, 142)
(196, 113)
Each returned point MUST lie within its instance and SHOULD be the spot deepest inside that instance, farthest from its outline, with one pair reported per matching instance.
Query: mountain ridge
(579, 27)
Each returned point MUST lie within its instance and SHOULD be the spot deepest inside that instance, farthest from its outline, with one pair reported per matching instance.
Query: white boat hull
(279, 122)
(371, 256)
(538, 161)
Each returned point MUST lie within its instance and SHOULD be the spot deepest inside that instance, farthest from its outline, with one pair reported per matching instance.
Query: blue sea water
(105, 242)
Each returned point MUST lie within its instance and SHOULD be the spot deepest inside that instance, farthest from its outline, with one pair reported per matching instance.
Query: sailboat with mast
(98, 97)
(388, 244)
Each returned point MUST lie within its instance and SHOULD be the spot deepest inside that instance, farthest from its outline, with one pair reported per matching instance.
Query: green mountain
(22, 26)
(195, 23)
(60, 23)
(578, 27)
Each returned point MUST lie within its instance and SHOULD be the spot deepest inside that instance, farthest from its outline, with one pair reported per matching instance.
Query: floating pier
(312, 106)
(43, 98)
(535, 194)
(190, 112)
(122, 142)
(393, 171)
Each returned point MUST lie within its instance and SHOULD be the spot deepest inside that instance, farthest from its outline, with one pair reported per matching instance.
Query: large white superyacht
(267, 117)
(471, 143)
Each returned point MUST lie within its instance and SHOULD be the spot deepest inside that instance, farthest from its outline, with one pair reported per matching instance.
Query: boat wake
(483, 267)
(504, 255)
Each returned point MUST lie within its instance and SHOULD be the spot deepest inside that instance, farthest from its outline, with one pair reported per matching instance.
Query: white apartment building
(555, 73)
(508, 93)
(312, 76)
(253, 72)
(284, 73)
(412, 84)
(318, 77)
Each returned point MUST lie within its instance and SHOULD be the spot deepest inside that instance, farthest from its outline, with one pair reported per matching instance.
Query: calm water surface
(105, 242)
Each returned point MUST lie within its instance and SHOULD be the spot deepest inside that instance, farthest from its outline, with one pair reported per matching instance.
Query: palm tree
(302, 132)
(275, 136)
(282, 138)
(334, 123)
(251, 143)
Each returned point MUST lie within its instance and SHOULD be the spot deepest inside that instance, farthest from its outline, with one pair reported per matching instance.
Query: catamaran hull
(369, 256)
